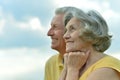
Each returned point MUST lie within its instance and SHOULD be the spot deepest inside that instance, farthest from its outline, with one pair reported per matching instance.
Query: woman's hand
(75, 60)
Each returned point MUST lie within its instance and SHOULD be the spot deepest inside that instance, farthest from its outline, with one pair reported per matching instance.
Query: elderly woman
(86, 40)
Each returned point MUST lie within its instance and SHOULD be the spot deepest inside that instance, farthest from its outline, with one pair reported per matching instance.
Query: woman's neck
(93, 58)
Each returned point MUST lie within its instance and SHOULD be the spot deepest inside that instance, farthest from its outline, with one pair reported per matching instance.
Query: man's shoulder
(52, 58)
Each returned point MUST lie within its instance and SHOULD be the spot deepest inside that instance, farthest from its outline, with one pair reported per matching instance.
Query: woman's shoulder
(108, 61)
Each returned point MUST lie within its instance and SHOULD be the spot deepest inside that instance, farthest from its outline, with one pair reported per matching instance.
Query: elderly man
(54, 65)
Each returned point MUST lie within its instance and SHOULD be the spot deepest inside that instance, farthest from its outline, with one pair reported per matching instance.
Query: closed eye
(71, 28)
(55, 27)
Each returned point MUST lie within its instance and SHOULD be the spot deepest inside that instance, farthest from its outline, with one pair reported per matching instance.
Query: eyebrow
(71, 25)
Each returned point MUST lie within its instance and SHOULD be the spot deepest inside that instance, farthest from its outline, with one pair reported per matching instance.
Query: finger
(66, 57)
(87, 53)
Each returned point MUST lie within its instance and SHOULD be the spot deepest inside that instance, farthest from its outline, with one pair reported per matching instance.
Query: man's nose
(50, 32)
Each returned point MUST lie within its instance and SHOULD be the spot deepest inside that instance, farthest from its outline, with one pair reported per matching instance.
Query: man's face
(56, 32)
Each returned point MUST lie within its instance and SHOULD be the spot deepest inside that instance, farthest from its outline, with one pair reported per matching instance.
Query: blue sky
(24, 45)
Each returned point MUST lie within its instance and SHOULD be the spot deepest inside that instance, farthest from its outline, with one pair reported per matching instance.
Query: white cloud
(35, 24)
(110, 14)
(32, 24)
(117, 55)
(83, 4)
(14, 62)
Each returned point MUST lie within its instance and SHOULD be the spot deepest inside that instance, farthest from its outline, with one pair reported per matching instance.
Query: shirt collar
(60, 60)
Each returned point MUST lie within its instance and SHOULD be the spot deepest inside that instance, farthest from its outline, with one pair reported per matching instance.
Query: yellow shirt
(107, 61)
(53, 67)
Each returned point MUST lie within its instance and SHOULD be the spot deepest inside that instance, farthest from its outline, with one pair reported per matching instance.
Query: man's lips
(53, 38)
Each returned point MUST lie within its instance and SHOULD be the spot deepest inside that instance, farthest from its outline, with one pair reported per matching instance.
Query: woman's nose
(66, 35)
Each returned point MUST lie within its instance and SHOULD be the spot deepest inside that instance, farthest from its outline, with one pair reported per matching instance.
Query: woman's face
(73, 41)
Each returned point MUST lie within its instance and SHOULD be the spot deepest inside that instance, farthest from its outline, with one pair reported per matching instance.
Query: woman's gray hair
(94, 29)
